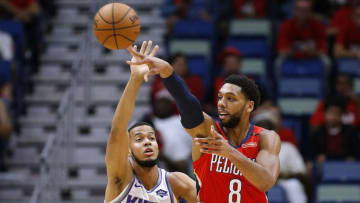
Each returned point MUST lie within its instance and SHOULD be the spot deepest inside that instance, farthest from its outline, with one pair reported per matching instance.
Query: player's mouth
(223, 115)
(148, 152)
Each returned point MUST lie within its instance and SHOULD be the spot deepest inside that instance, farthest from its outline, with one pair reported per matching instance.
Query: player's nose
(221, 103)
(147, 142)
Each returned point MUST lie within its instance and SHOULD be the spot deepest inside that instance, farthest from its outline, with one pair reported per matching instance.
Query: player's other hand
(142, 70)
(155, 65)
(214, 144)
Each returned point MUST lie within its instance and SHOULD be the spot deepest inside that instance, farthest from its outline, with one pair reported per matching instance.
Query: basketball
(116, 26)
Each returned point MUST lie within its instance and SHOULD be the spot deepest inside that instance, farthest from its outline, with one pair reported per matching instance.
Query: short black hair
(336, 101)
(141, 123)
(248, 87)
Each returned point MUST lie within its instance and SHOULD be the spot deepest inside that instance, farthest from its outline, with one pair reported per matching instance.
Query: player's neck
(237, 134)
(148, 176)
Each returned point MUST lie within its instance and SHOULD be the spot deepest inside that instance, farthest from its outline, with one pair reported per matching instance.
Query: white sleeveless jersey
(135, 191)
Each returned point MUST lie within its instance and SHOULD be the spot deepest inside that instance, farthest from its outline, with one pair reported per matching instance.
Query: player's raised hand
(214, 144)
(142, 70)
(155, 65)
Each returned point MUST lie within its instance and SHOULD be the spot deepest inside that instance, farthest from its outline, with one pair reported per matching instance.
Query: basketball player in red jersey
(234, 161)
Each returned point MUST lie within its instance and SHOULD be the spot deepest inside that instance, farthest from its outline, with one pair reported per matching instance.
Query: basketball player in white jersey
(132, 154)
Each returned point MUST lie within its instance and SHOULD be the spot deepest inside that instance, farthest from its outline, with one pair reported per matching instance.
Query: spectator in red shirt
(342, 16)
(348, 39)
(334, 140)
(302, 36)
(343, 89)
(194, 82)
(249, 9)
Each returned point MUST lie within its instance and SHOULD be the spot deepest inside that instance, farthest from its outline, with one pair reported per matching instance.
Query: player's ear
(250, 106)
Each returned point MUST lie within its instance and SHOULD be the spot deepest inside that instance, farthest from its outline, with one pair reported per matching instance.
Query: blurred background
(59, 89)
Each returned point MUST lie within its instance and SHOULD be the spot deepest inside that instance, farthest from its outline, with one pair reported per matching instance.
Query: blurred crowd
(22, 26)
(301, 30)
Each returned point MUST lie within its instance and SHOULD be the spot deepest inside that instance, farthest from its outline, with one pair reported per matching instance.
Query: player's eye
(138, 139)
(219, 97)
(230, 99)
(152, 138)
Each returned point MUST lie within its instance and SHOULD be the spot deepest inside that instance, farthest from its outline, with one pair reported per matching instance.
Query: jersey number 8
(235, 189)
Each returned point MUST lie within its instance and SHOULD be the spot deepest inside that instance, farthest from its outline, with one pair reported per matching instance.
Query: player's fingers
(210, 146)
(209, 151)
(134, 53)
(155, 50)
(202, 140)
(212, 142)
(133, 57)
(143, 46)
(205, 141)
(146, 77)
(148, 47)
(140, 62)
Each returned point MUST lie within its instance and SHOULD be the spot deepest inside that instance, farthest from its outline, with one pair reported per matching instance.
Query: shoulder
(270, 140)
(177, 178)
(267, 133)
(180, 182)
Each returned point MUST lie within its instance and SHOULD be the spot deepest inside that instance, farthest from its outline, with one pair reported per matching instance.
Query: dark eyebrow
(227, 93)
(141, 133)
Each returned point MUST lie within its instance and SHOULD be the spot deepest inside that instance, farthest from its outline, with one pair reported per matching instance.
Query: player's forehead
(229, 88)
(141, 130)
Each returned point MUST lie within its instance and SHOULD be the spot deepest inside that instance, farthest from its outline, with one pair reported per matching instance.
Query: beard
(234, 119)
(147, 163)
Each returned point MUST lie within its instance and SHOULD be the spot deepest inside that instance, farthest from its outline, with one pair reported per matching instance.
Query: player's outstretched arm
(262, 173)
(196, 122)
(192, 117)
(183, 187)
(118, 142)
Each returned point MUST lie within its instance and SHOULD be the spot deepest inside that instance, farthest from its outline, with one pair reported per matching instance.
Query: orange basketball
(116, 26)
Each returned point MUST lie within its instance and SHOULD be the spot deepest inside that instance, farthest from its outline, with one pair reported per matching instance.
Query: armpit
(118, 182)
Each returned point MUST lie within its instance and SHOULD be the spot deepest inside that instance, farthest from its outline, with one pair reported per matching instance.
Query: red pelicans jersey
(219, 181)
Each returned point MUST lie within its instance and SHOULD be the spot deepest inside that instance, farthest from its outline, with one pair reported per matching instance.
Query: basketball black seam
(113, 24)
(122, 18)
(119, 28)
(104, 19)
(124, 37)
(107, 38)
